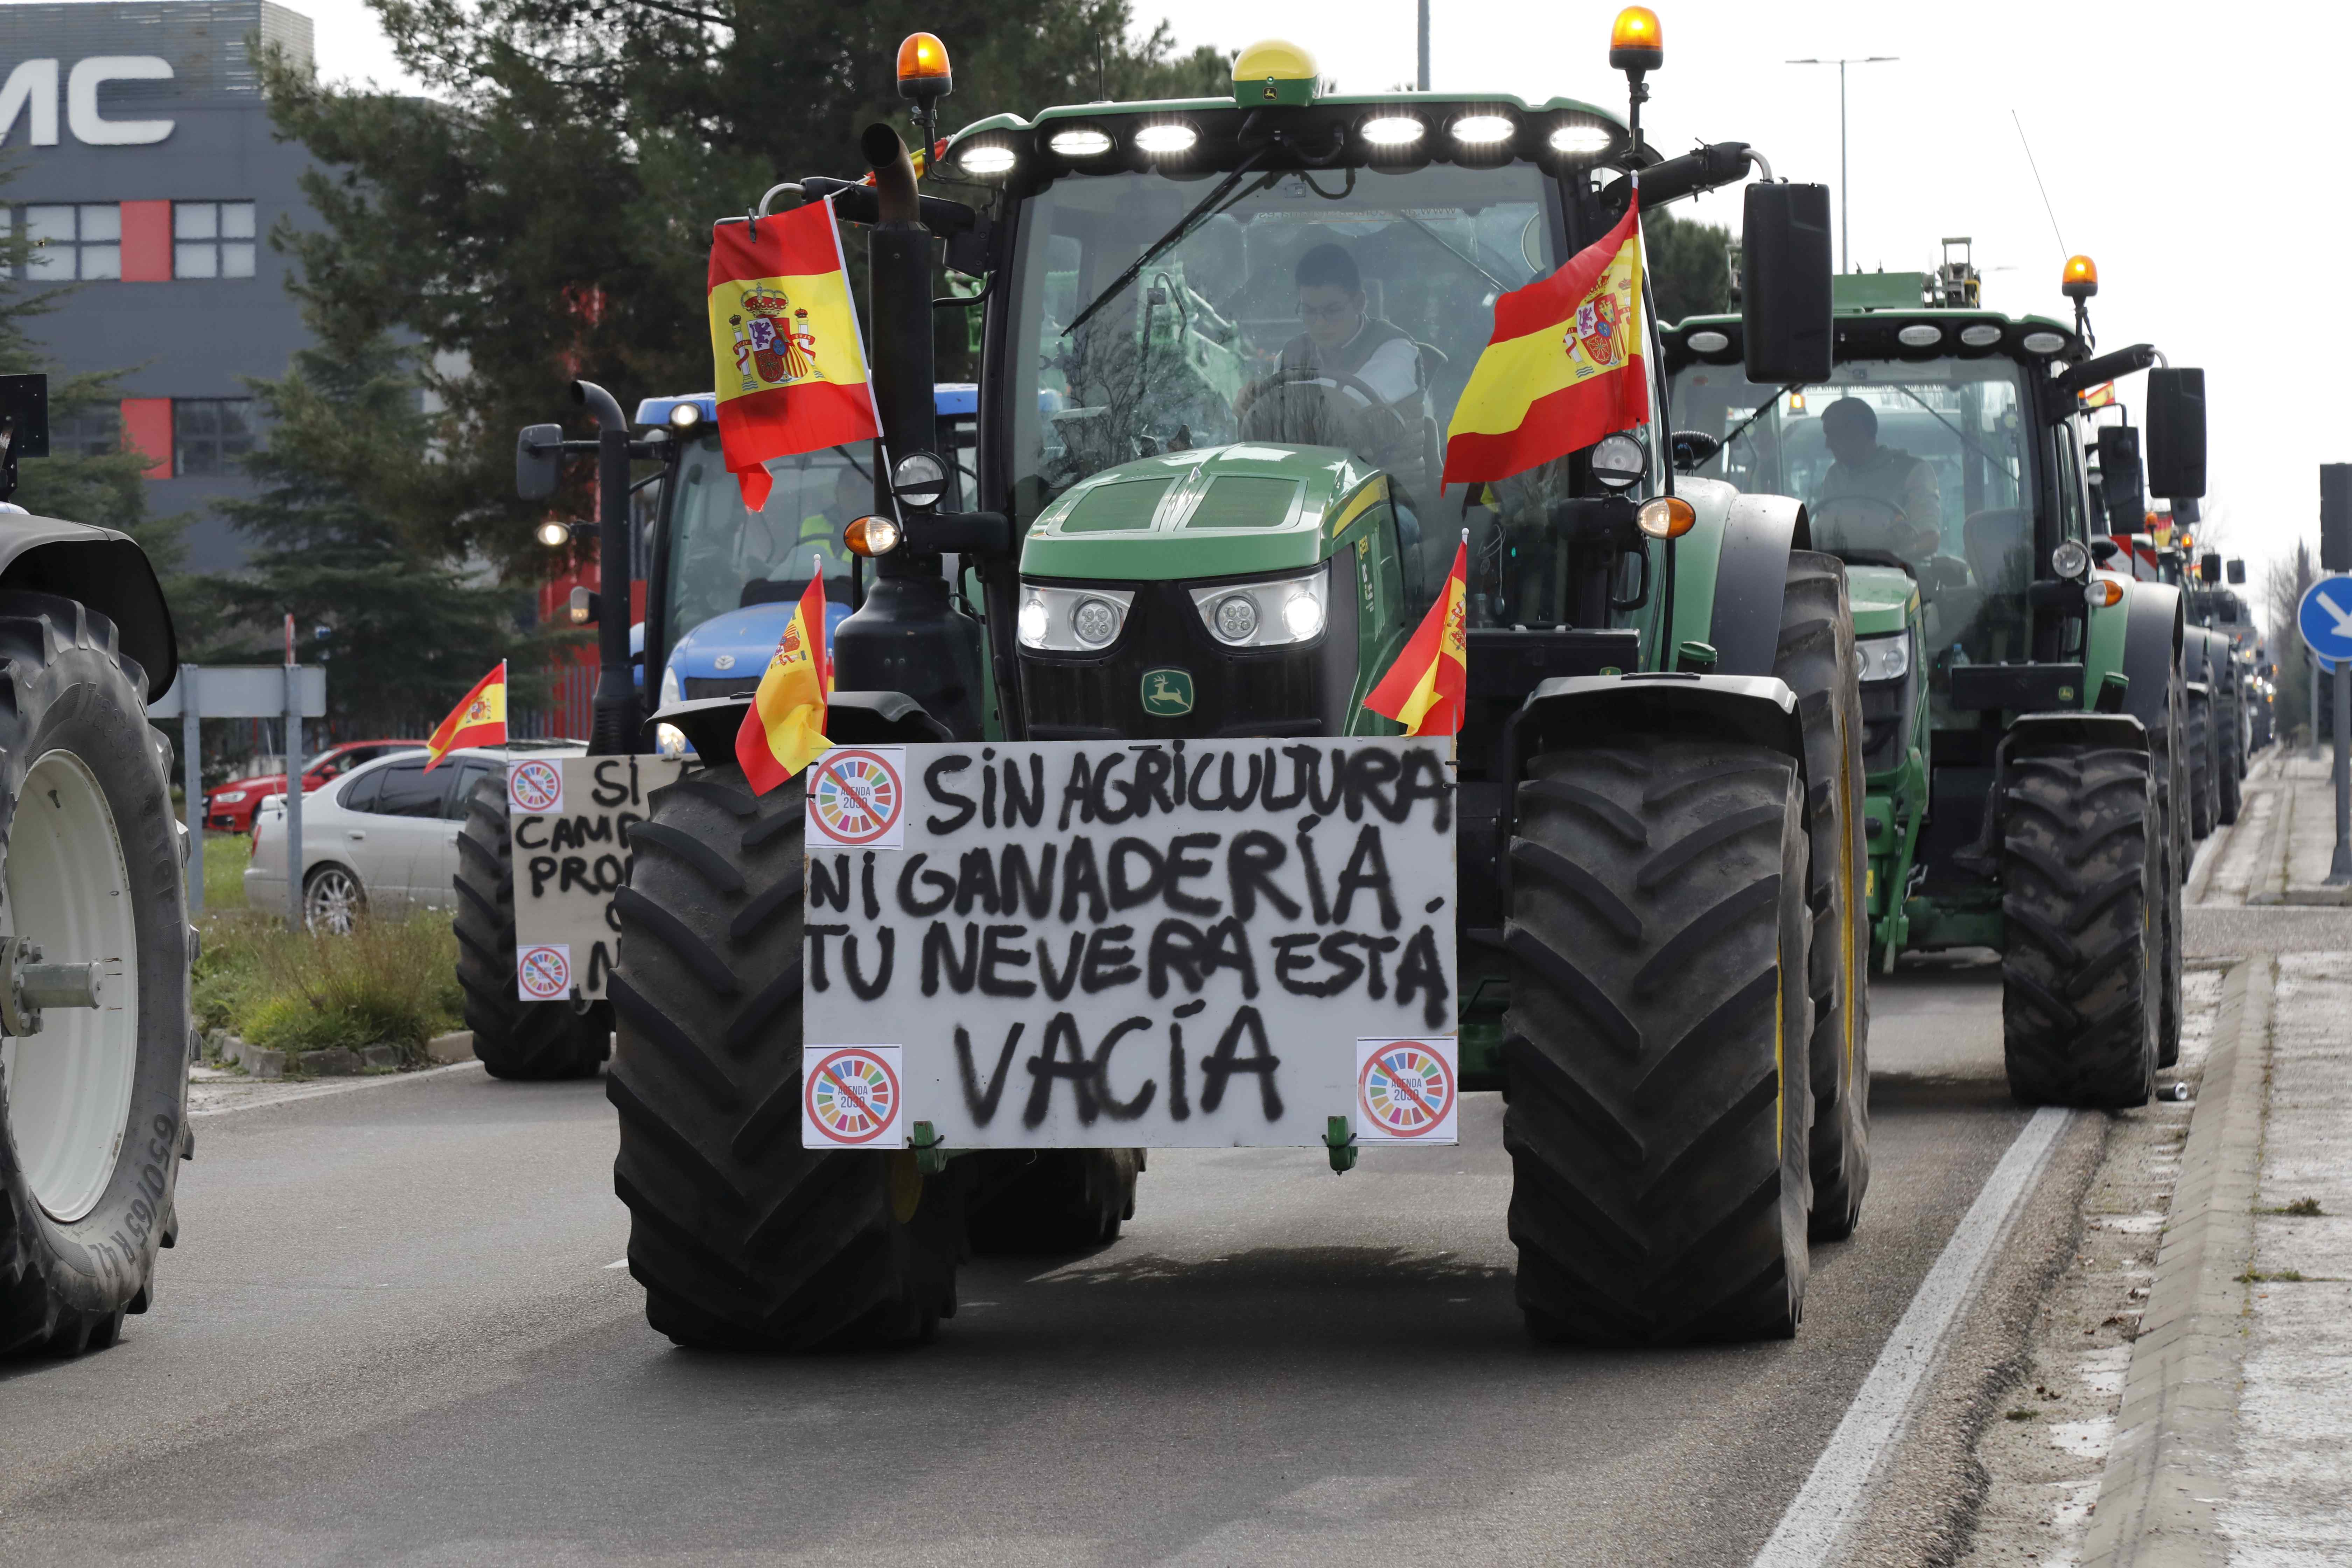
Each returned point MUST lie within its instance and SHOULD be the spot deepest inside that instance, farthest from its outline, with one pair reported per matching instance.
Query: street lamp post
(1845, 228)
(1422, 80)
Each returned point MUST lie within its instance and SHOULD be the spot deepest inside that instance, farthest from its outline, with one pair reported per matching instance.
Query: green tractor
(2024, 709)
(1223, 338)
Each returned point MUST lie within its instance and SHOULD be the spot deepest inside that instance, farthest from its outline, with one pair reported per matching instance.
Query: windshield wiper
(1201, 213)
(1995, 458)
(1447, 246)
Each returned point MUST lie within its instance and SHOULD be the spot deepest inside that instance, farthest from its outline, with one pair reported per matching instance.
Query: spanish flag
(783, 732)
(788, 364)
(1423, 689)
(1564, 367)
(479, 720)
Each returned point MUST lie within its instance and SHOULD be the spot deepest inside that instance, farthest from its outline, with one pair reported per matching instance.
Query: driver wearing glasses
(1863, 470)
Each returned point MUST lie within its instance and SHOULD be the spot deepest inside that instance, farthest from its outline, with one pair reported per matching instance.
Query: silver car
(381, 839)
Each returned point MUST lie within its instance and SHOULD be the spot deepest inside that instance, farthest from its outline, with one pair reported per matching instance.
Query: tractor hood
(732, 650)
(1218, 511)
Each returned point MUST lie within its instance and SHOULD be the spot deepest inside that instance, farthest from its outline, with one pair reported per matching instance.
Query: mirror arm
(2106, 367)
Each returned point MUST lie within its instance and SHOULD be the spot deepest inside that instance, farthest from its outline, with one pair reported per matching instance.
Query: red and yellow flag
(1564, 367)
(479, 720)
(789, 368)
(783, 732)
(1423, 689)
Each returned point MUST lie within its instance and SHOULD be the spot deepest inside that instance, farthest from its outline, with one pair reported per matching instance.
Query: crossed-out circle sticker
(543, 973)
(858, 797)
(851, 1098)
(1406, 1091)
(535, 788)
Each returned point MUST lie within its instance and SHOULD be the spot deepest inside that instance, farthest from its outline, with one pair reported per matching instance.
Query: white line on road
(1828, 1501)
(298, 1091)
(618, 1263)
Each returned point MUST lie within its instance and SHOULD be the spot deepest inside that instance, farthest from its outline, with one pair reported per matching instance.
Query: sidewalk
(2234, 1440)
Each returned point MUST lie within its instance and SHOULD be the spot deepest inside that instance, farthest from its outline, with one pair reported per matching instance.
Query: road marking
(618, 1263)
(296, 1090)
(1829, 1500)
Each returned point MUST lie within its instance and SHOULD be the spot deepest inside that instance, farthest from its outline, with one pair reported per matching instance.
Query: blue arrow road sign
(2326, 618)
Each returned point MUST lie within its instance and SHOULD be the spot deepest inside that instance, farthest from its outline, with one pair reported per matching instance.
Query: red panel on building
(147, 427)
(146, 242)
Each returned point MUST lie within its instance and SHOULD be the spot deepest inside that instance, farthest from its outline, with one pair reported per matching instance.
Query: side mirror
(1784, 302)
(2237, 573)
(2208, 568)
(2176, 432)
(538, 458)
(1692, 448)
(2121, 489)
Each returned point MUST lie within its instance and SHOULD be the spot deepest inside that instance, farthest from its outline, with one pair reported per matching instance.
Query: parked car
(383, 839)
(230, 807)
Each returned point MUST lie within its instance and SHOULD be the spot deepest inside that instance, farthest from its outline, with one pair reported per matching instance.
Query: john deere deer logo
(1166, 693)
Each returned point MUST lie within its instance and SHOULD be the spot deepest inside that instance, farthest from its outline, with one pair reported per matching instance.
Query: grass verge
(390, 981)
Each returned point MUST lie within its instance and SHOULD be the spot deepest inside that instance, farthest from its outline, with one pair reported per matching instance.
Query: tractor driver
(1864, 470)
(1349, 361)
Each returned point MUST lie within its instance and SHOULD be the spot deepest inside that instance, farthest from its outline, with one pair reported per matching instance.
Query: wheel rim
(70, 1085)
(331, 903)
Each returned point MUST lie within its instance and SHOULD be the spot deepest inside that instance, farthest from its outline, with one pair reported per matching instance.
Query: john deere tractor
(1223, 341)
(2023, 707)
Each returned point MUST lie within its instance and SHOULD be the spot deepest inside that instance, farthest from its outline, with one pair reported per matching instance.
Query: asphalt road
(390, 1334)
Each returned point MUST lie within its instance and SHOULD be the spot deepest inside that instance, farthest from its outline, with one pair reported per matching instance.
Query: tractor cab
(1232, 334)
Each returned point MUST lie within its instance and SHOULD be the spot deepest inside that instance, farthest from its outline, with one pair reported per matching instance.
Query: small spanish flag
(789, 367)
(1564, 367)
(479, 720)
(1423, 689)
(783, 732)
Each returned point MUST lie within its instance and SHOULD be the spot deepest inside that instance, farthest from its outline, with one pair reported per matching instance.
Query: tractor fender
(2030, 733)
(2196, 652)
(1591, 710)
(103, 569)
(2155, 627)
(1751, 575)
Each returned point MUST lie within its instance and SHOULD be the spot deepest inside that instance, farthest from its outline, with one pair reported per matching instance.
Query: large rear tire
(743, 1239)
(93, 1106)
(2169, 918)
(2081, 871)
(2231, 769)
(1816, 656)
(514, 1038)
(1656, 1043)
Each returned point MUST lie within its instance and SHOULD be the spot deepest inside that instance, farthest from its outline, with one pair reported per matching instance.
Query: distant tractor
(95, 944)
(2027, 731)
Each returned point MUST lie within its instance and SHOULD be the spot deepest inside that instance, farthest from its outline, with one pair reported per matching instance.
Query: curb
(297, 1093)
(2167, 1478)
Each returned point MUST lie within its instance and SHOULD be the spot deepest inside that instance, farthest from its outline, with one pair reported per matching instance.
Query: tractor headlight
(1884, 658)
(2071, 559)
(1166, 138)
(1073, 620)
(988, 160)
(1278, 613)
(669, 742)
(672, 692)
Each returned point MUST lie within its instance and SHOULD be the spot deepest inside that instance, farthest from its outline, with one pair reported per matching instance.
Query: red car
(229, 808)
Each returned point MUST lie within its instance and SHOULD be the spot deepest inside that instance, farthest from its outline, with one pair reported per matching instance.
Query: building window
(212, 239)
(94, 432)
(210, 434)
(69, 240)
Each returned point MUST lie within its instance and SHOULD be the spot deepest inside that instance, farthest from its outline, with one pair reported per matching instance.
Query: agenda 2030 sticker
(1407, 1091)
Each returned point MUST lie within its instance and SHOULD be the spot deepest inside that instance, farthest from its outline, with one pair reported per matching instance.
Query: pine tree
(342, 534)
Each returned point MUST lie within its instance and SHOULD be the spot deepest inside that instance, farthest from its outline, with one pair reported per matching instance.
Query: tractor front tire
(2231, 772)
(2081, 874)
(93, 1105)
(1054, 1201)
(1816, 656)
(513, 1038)
(2203, 793)
(742, 1238)
(1656, 1043)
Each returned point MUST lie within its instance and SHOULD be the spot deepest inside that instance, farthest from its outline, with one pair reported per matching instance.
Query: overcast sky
(2189, 150)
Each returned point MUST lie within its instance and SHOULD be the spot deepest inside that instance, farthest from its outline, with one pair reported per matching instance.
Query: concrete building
(135, 146)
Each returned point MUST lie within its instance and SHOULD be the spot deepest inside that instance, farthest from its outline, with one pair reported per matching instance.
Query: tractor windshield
(1901, 463)
(1340, 307)
(724, 556)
